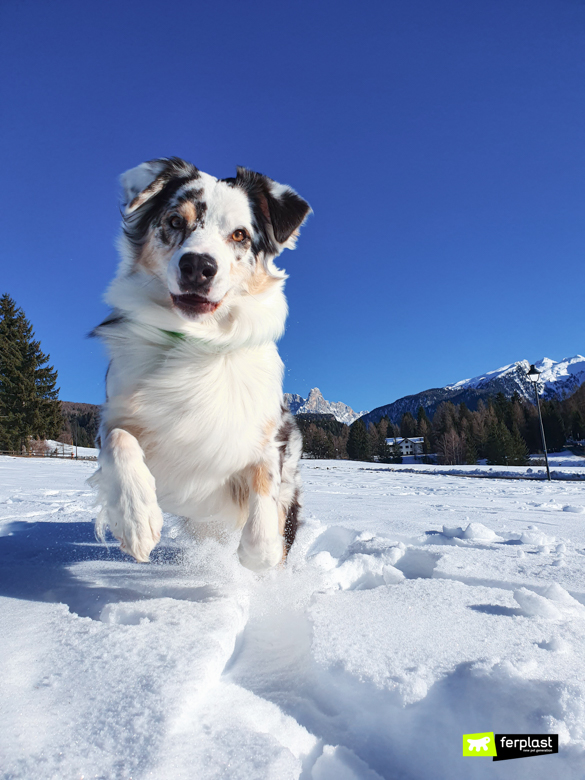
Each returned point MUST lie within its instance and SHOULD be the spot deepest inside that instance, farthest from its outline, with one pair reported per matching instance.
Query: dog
(194, 422)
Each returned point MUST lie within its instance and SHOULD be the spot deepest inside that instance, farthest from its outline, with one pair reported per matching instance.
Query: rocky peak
(316, 404)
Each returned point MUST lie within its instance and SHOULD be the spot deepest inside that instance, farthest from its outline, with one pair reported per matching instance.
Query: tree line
(501, 430)
(80, 424)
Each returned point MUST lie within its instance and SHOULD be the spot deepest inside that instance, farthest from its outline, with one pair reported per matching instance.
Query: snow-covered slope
(415, 608)
(316, 404)
(558, 379)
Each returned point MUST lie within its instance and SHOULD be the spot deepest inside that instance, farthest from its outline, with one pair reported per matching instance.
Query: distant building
(412, 446)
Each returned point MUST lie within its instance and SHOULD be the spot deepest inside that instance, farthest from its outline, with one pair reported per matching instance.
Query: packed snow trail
(412, 611)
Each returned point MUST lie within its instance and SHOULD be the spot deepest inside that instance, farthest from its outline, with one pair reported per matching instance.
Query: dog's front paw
(134, 518)
(127, 494)
(139, 537)
(260, 556)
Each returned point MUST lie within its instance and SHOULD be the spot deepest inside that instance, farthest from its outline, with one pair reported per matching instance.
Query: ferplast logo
(483, 744)
(502, 747)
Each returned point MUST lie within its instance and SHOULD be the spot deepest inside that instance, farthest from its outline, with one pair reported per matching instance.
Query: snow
(71, 450)
(477, 531)
(562, 460)
(571, 471)
(565, 459)
(415, 607)
(477, 381)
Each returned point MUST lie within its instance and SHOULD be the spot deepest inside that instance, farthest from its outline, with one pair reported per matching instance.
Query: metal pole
(542, 431)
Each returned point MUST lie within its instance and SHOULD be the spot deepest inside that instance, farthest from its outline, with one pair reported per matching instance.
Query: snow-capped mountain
(558, 379)
(316, 404)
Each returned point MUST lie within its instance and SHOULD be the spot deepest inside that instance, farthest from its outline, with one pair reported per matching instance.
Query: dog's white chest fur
(201, 416)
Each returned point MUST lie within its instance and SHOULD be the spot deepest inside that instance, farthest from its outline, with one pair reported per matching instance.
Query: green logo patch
(479, 744)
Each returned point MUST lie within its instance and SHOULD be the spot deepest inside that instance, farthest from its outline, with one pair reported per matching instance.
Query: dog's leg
(262, 545)
(291, 519)
(290, 444)
(127, 495)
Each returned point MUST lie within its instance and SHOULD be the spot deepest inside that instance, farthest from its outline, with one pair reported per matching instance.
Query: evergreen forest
(501, 430)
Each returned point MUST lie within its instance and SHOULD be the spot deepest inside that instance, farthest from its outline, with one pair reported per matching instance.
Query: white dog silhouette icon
(479, 744)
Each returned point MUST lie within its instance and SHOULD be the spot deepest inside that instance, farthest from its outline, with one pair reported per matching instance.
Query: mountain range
(558, 379)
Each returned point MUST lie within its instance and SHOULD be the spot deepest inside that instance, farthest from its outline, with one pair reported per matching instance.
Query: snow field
(414, 608)
(567, 470)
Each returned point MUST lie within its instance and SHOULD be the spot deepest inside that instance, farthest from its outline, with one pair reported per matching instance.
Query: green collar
(176, 336)
(211, 347)
(173, 334)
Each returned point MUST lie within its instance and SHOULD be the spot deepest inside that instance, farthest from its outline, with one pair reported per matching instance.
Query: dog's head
(204, 240)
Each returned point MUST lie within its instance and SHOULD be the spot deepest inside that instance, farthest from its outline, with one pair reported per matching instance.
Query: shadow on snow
(36, 561)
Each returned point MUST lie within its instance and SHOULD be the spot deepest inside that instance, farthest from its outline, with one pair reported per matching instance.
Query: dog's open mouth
(191, 304)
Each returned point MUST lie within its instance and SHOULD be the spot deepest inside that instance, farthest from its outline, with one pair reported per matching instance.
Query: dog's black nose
(196, 270)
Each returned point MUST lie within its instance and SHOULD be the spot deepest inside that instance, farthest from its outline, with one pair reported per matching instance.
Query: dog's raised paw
(139, 547)
(139, 533)
(143, 536)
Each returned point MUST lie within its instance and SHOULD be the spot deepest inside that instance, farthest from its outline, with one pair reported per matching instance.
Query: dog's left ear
(282, 211)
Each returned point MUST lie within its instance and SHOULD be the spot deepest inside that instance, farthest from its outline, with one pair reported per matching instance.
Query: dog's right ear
(141, 183)
(148, 179)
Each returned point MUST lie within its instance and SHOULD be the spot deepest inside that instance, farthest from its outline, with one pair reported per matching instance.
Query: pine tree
(28, 396)
(373, 439)
(519, 455)
(503, 409)
(468, 441)
(407, 426)
(470, 451)
(531, 428)
(464, 415)
(577, 425)
(383, 451)
(554, 428)
(445, 419)
(424, 429)
(322, 445)
(358, 443)
(499, 446)
(393, 431)
(421, 417)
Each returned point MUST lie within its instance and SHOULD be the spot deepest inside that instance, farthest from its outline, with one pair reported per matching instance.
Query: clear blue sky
(440, 144)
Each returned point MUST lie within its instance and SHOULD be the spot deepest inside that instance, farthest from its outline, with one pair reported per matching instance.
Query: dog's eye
(176, 222)
(239, 235)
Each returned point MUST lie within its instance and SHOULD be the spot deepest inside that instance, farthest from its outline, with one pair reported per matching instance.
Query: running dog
(194, 423)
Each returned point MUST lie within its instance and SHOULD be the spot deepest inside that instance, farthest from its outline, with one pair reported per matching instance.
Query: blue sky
(440, 144)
